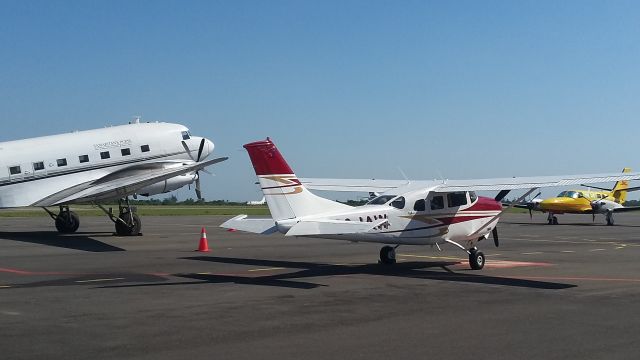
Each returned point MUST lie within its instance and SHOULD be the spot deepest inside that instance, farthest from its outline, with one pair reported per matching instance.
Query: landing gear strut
(127, 222)
(609, 216)
(388, 255)
(67, 222)
(552, 219)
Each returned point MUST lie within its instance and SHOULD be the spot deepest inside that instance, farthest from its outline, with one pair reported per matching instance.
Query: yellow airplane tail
(619, 191)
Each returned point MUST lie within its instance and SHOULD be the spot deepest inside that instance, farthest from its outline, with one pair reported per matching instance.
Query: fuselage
(578, 202)
(418, 218)
(34, 169)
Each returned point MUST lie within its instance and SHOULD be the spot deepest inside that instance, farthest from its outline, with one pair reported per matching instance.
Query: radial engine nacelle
(169, 185)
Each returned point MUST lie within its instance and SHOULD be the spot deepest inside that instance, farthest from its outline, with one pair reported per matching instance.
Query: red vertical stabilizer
(266, 158)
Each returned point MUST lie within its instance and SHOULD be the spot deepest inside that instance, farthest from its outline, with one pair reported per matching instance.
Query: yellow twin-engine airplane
(605, 201)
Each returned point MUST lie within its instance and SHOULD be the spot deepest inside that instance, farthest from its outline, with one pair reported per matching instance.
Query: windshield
(570, 194)
(381, 200)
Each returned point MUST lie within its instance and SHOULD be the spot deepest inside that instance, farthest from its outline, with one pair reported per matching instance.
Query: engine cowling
(168, 185)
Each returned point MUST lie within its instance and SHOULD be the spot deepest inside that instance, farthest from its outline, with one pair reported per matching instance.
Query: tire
(476, 259)
(67, 222)
(555, 220)
(127, 228)
(387, 255)
(610, 221)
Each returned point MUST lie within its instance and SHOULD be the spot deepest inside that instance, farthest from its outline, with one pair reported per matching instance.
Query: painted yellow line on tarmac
(532, 253)
(5, 286)
(267, 269)
(597, 250)
(98, 280)
(568, 251)
(204, 273)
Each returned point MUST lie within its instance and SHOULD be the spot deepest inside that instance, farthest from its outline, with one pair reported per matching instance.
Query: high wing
(367, 185)
(121, 184)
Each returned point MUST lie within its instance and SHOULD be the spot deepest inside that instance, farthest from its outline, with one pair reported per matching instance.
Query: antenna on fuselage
(136, 120)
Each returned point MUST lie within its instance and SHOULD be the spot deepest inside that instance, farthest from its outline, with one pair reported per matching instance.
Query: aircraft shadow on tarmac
(304, 270)
(564, 224)
(76, 241)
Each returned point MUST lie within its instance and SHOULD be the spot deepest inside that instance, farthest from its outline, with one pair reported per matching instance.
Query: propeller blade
(494, 232)
(198, 191)
(501, 195)
(200, 149)
(186, 148)
(530, 214)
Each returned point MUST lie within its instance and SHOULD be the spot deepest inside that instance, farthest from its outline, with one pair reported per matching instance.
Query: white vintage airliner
(405, 212)
(102, 164)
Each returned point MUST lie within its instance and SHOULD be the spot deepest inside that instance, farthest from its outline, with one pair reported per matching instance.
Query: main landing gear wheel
(67, 222)
(476, 259)
(552, 220)
(387, 255)
(128, 224)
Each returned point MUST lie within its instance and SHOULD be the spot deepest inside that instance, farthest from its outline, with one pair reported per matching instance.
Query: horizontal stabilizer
(332, 227)
(256, 226)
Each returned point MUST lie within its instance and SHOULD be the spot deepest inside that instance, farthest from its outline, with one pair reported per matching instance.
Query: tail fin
(286, 197)
(619, 191)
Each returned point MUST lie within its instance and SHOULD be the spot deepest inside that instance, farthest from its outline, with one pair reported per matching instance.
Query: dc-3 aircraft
(103, 164)
(605, 202)
(406, 212)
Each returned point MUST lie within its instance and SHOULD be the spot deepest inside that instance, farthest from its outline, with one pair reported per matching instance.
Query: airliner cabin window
(419, 205)
(14, 170)
(38, 166)
(144, 148)
(105, 155)
(457, 198)
(83, 158)
(186, 135)
(398, 203)
(125, 152)
(437, 202)
(62, 162)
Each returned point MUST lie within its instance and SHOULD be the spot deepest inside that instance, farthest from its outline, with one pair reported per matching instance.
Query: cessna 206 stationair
(406, 213)
(103, 164)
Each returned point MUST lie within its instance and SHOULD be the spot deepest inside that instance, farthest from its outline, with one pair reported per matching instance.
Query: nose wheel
(388, 255)
(476, 259)
(552, 219)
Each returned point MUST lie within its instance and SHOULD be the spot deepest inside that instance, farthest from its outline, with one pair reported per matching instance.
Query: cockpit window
(381, 200)
(437, 202)
(398, 203)
(571, 194)
(456, 199)
(186, 135)
(472, 196)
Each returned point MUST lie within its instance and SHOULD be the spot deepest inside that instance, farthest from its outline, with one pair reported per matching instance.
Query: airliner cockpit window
(381, 200)
(186, 135)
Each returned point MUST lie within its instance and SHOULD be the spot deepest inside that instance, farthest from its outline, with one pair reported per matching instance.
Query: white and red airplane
(406, 212)
(102, 164)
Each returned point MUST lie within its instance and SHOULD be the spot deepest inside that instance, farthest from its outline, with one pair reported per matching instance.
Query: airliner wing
(122, 186)
(497, 184)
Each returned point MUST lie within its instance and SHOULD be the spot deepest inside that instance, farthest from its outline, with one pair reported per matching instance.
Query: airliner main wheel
(387, 255)
(130, 224)
(476, 259)
(67, 222)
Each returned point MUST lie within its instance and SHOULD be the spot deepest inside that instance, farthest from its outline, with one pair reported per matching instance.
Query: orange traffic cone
(204, 245)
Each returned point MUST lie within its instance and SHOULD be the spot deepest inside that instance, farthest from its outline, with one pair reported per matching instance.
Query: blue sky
(465, 89)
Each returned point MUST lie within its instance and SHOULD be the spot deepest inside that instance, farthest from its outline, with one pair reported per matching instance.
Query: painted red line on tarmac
(576, 278)
(27, 273)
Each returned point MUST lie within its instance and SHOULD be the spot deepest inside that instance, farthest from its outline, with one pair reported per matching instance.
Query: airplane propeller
(200, 149)
(494, 232)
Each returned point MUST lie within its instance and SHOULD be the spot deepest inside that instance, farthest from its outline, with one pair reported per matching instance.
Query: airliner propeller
(200, 149)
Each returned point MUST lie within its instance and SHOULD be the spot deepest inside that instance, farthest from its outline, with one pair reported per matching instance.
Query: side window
(105, 155)
(83, 158)
(419, 205)
(14, 170)
(398, 203)
(144, 148)
(437, 202)
(37, 166)
(457, 198)
(472, 196)
(125, 152)
(62, 162)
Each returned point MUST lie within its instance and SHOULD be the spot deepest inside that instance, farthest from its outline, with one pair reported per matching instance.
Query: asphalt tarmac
(548, 292)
